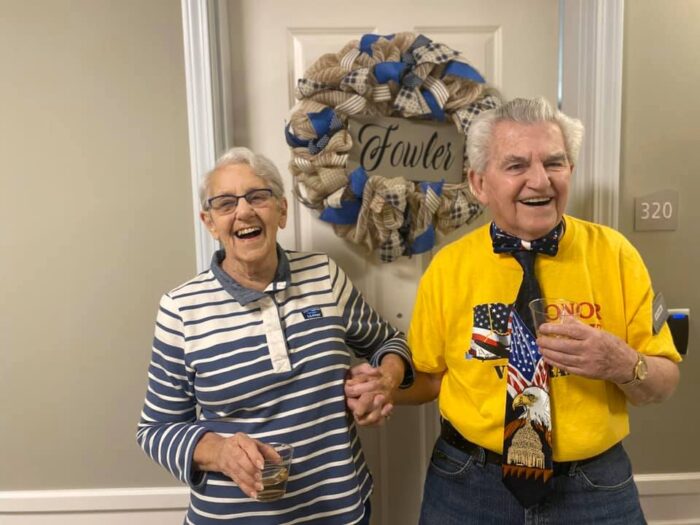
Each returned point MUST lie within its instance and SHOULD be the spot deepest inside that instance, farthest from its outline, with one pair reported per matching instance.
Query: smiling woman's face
(526, 181)
(248, 234)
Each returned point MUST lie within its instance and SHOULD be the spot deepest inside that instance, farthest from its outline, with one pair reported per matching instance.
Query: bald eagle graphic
(534, 402)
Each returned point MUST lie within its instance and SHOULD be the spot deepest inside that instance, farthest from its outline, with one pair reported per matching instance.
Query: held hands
(577, 348)
(369, 391)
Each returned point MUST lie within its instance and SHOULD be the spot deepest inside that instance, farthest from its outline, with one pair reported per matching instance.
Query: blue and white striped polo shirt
(272, 365)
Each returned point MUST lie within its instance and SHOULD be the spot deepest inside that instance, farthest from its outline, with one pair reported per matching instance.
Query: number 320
(657, 210)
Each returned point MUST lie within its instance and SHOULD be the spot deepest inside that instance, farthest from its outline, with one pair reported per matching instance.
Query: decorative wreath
(401, 75)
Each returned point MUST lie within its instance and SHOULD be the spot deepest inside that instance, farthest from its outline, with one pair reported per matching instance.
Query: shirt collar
(244, 295)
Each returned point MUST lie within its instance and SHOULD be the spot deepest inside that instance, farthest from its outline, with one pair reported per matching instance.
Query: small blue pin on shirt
(312, 313)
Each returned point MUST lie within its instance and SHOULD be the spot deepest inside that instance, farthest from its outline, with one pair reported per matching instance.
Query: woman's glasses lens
(228, 203)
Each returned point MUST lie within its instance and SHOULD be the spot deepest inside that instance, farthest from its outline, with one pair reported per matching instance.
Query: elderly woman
(256, 350)
(533, 418)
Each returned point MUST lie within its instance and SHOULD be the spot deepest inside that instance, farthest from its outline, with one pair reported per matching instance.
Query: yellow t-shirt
(597, 268)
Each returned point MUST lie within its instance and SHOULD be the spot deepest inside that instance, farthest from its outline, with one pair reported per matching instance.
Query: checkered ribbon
(423, 227)
(357, 81)
(382, 215)
(307, 88)
(421, 58)
(457, 207)
(325, 122)
(463, 117)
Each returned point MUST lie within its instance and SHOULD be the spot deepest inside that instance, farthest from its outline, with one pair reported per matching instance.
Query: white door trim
(592, 91)
(200, 111)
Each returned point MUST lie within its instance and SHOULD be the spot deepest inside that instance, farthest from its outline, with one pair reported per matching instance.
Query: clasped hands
(368, 393)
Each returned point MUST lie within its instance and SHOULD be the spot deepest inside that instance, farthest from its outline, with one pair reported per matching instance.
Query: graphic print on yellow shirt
(490, 332)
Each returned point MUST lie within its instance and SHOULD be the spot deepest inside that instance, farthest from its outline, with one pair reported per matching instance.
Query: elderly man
(532, 424)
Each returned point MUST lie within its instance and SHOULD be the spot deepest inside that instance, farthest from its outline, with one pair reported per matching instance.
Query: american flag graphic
(490, 331)
(525, 366)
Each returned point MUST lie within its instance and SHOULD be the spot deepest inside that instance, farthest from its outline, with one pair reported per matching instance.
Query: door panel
(513, 44)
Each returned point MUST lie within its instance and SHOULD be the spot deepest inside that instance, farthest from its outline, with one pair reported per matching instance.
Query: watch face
(641, 369)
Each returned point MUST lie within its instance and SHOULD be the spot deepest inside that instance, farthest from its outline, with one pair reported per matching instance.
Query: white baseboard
(670, 499)
(93, 500)
(135, 506)
(667, 499)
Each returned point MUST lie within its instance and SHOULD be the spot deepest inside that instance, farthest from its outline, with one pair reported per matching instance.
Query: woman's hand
(240, 457)
(369, 391)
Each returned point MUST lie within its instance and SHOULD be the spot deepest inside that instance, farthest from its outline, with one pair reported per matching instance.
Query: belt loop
(479, 456)
(572, 469)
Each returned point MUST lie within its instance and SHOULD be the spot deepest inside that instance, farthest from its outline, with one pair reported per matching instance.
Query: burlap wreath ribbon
(401, 75)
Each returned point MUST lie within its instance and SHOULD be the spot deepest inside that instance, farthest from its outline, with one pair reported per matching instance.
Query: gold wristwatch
(640, 371)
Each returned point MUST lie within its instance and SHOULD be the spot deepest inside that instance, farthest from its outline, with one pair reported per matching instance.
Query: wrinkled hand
(368, 393)
(577, 348)
(241, 458)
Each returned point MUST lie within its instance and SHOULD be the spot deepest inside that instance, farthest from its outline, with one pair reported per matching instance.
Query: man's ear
(205, 217)
(476, 185)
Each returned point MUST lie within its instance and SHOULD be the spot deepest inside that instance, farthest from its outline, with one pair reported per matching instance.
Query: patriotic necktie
(527, 437)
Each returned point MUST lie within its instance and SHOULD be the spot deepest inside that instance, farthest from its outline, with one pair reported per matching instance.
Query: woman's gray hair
(260, 164)
(525, 111)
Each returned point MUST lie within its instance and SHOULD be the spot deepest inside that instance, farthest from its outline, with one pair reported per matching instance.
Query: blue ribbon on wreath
(386, 71)
(349, 209)
(437, 112)
(325, 123)
(426, 240)
(368, 39)
(401, 72)
(463, 70)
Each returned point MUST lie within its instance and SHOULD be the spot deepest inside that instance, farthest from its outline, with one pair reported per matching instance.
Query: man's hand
(580, 349)
(592, 352)
(369, 392)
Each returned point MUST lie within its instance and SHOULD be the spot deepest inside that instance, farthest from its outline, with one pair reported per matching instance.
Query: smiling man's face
(526, 180)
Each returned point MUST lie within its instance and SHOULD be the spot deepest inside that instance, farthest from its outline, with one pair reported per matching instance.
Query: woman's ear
(205, 217)
(283, 213)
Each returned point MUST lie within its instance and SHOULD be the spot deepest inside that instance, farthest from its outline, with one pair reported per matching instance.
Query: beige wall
(661, 150)
(95, 219)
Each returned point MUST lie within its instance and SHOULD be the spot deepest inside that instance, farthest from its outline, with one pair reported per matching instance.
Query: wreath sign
(402, 75)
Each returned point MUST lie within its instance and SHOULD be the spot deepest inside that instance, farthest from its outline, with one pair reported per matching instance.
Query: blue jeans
(462, 489)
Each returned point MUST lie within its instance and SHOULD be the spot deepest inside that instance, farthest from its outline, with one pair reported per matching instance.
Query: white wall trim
(592, 91)
(656, 491)
(668, 484)
(83, 500)
(195, 26)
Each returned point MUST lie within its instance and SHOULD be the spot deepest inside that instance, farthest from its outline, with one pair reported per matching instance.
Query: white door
(514, 44)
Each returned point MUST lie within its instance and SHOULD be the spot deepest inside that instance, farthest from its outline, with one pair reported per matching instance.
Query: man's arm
(592, 352)
(659, 384)
(425, 388)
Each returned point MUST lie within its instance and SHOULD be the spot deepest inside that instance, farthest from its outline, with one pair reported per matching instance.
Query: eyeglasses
(224, 204)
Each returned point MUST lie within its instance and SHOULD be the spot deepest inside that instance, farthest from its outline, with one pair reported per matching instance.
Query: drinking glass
(275, 473)
(549, 310)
